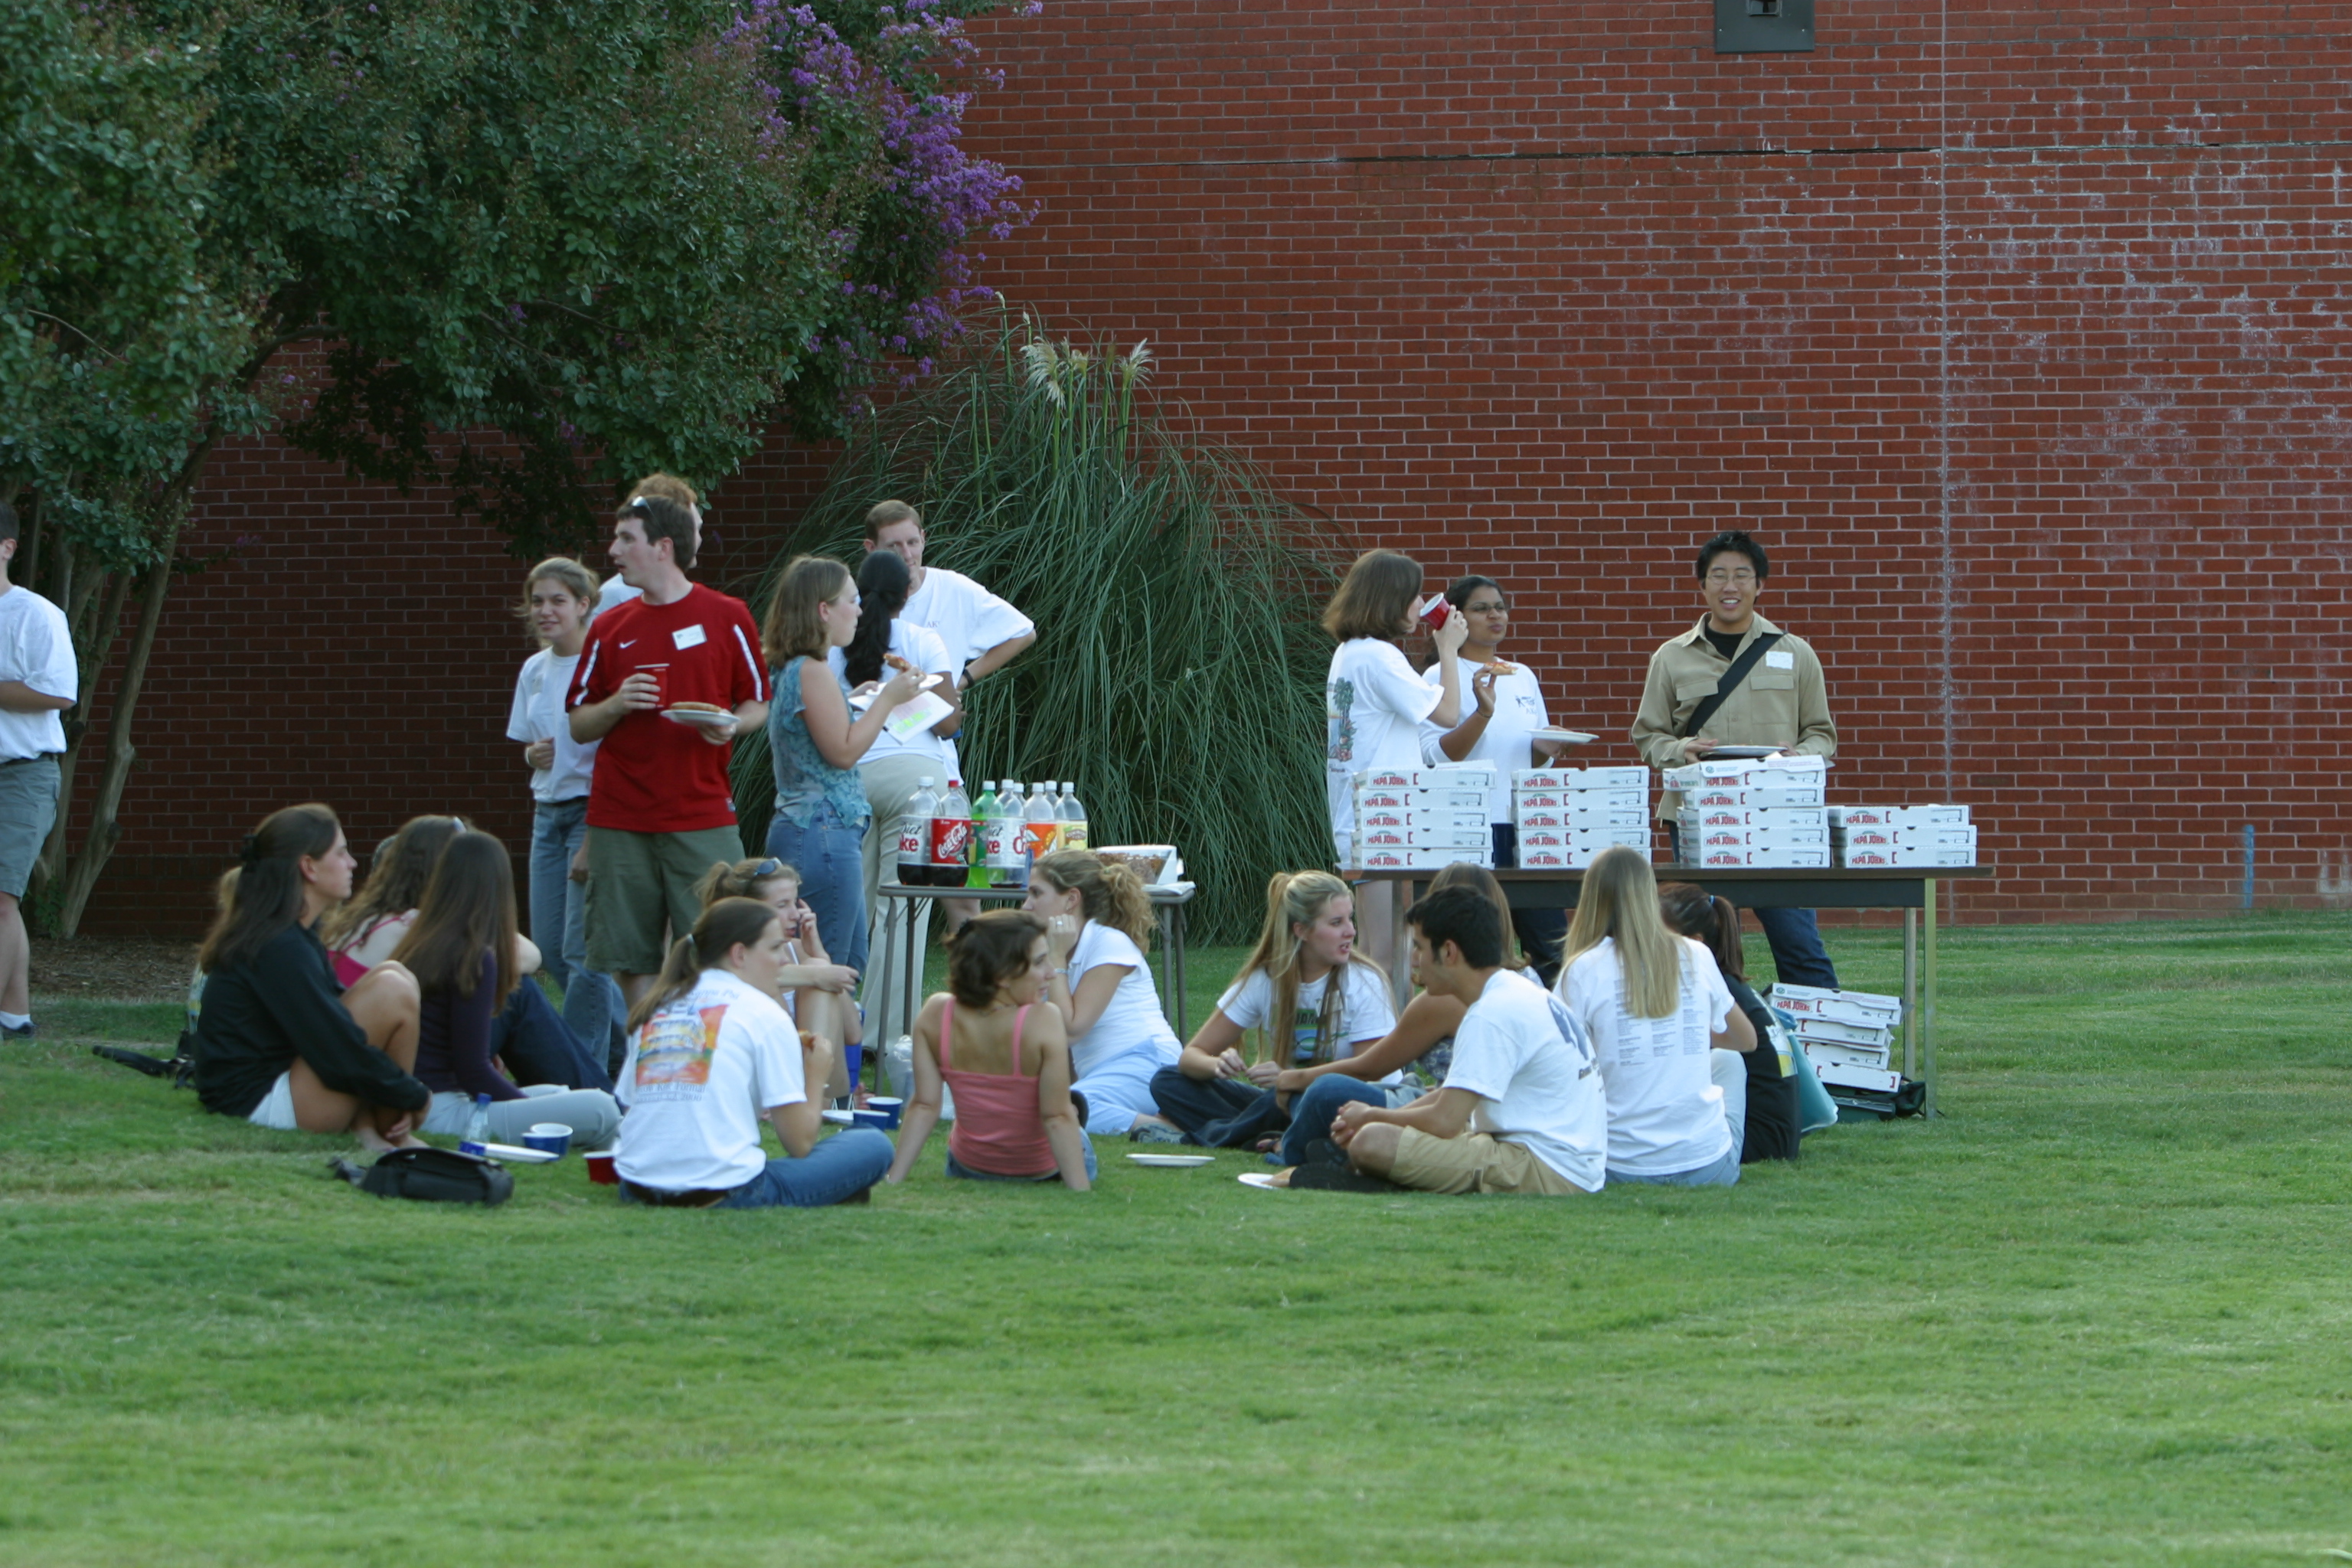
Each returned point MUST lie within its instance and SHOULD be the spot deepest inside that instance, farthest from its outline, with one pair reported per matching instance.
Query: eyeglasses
(1497, 608)
(1725, 579)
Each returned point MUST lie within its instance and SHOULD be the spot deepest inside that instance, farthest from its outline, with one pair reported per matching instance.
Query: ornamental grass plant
(1178, 672)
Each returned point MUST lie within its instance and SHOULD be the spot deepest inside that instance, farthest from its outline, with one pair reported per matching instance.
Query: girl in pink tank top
(1007, 1060)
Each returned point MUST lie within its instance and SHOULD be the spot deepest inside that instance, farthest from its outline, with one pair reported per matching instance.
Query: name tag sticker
(691, 636)
(1773, 657)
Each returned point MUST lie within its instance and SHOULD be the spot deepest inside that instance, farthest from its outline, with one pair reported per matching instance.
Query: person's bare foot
(371, 1141)
(410, 1141)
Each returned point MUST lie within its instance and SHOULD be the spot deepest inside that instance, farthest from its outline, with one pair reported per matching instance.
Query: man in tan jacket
(1782, 702)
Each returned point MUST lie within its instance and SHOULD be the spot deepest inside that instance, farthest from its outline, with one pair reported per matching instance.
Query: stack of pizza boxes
(1761, 811)
(1410, 819)
(1848, 1037)
(1865, 836)
(1565, 816)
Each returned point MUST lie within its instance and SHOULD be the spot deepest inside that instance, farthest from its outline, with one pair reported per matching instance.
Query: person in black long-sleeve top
(280, 1042)
(1772, 1130)
(465, 920)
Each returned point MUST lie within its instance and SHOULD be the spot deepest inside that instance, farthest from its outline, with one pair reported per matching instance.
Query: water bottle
(951, 837)
(976, 857)
(915, 836)
(1074, 818)
(1040, 827)
(1007, 867)
(477, 1140)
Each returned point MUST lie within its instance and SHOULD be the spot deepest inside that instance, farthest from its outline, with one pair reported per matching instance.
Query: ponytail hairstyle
(722, 927)
(1620, 898)
(1294, 898)
(742, 878)
(989, 952)
(1109, 891)
(396, 882)
(883, 583)
(1691, 910)
(468, 913)
(267, 896)
(572, 577)
(793, 629)
(1484, 883)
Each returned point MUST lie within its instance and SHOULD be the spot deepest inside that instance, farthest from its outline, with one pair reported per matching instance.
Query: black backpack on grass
(432, 1176)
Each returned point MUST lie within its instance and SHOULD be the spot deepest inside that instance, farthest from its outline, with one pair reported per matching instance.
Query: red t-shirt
(654, 774)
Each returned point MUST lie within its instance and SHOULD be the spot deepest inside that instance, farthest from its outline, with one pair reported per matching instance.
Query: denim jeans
(829, 855)
(558, 924)
(839, 1167)
(1798, 956)
(1312, 1111)
(539, 1047)
(1724, 1173)
(1217, 1113)
(962, 1172)
(1541, 931)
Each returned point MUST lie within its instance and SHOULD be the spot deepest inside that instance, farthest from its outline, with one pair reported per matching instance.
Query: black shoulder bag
(1727, 685)
(431, 1176)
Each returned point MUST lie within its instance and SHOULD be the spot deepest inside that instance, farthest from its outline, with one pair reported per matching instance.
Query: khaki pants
(1474, 1163)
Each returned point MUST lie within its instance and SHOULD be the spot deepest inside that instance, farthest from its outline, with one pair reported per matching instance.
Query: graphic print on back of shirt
(1573, 1032)
(674, 1054)
(1340, 739)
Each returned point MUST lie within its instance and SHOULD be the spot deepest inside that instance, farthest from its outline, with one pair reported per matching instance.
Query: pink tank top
(997, 1128)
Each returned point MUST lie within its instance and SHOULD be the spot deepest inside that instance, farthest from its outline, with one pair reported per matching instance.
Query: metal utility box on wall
(1763, 26)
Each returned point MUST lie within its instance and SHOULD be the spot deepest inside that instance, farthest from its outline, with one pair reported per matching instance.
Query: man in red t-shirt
(659, 811)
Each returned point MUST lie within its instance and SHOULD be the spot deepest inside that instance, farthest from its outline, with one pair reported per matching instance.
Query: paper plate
(1261, 1179)
(506, 1154)
(839, 1118)
(1562, 737)
(695, 716)
(1173, 1161)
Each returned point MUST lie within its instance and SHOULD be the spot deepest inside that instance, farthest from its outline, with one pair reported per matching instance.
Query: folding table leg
(1927, 1012)
(1910, 994)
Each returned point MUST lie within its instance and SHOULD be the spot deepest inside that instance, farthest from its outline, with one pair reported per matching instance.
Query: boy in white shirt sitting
(1522, 1109)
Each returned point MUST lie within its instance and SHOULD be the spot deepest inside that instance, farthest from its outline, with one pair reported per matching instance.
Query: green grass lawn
(2100, 1312)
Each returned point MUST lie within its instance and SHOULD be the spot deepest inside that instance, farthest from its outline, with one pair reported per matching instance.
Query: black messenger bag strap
(1728, 684)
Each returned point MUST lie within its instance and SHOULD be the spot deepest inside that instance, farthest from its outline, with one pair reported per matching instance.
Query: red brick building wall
(2018, 333)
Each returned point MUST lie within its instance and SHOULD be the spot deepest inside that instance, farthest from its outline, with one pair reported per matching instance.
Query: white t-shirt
(1533, 1068)
(699, 1077)
(968, 618)
(1373, 706)
(1365, 1013)
(920, 646)
(537, 714)
(615, 593)
(1132, 1021)
(1666, 1114)
(36, 648)
(1519, 713)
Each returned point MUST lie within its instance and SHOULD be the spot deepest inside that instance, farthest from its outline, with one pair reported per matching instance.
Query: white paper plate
(838, 1118)
(1563, 737)
(1173, 1161)
(1261, 1179)
(695, 716)
(510, 1155)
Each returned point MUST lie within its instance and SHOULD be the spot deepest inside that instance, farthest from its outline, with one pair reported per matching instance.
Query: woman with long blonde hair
(1099, 920)
(1307, 992)
(1655, 1003)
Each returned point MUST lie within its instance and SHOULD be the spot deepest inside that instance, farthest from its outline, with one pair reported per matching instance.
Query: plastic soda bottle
(950, 836)
(477, 1140)
(915, 836)
(1074, 818)
(1041, 826)
(1007, 867)
(983, 812)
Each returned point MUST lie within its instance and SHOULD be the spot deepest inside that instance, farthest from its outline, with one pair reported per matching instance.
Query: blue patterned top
(804, 780)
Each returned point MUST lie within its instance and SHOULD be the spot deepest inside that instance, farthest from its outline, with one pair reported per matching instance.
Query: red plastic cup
(1433, 614)
(660, 672)
(600, 1169)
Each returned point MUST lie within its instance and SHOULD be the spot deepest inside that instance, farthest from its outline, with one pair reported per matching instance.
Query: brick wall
(2017, 333)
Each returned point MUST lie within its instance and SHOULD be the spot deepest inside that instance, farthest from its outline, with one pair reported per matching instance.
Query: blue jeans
(1724, 1173)
(963, 1171)
(838, 1168)
(558, 924)
(828, 853)
(1312, 1112)
(1798, 956)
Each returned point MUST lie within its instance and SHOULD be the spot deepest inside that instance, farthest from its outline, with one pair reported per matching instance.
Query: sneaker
(1154, 1133)
(18, 1031)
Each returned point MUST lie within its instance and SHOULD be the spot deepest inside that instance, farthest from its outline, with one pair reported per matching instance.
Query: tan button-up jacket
(1773, 707)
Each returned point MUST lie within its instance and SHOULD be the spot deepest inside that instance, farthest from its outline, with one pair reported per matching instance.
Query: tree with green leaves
(522, 249)
(1178, 675)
